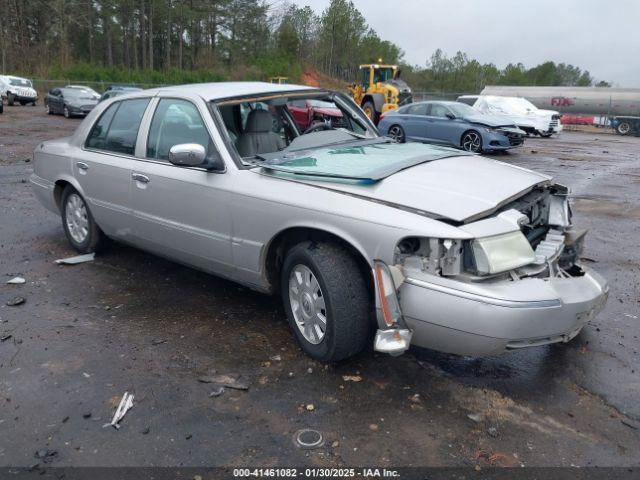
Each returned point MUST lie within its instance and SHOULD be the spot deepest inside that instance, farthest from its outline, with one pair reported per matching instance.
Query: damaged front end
(531, 236)
(511, 279)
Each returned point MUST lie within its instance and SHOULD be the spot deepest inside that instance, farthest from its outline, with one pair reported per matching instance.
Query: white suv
(16, 89)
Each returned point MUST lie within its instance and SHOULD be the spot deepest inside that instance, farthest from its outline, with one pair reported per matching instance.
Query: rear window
(117, 129)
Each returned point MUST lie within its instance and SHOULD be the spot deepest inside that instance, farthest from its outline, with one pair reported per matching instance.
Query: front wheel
(326, 299)
(81, 230)
(370, 110)
(471, 142)
(545, 134)
(66, 112)
(47, 109)
(397, 133)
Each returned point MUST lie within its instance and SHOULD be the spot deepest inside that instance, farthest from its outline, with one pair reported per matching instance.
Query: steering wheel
(317, 126)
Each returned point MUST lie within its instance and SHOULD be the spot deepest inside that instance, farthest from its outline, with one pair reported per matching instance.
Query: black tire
(66, 112)
(397, 133)
(95, 240)
(471, 141)
(623, 128)
(345, 293)
(23, 103)
(10, 99)
(370, 109)
(33, 104)
(47, 109)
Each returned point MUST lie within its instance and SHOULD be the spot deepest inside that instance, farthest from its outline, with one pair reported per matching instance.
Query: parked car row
(70, 100)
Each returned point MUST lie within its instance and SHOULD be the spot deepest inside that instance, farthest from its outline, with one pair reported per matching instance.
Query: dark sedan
(70, 101)
(451, 123)
(116, 91)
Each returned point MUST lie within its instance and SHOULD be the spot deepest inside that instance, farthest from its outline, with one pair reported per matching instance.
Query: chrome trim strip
(556, 303)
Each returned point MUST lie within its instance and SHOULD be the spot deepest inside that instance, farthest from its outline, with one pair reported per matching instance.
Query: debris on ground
(629, 424)
(4, 338)
(159, 342)
(46, 455)
(352, 378)
(15, 301)
(476, 417)
(217, 392)
(145, 431)
(87, 257)
(125, 405)
(492, 432)
(308, 439)
(86, 415)
(310, 407)
(16, 281)
(229, 381)
(275, 358)
(374, 427)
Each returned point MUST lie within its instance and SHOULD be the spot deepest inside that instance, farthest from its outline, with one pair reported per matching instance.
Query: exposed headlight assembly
(480, 256)
(501, 253)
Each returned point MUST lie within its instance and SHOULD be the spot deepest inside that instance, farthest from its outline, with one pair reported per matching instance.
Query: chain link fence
(42, 86)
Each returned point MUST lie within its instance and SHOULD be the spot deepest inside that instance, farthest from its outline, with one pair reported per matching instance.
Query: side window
(123, 131)
(176, 122)
(417, 109)
(438, 110)
(98, 136)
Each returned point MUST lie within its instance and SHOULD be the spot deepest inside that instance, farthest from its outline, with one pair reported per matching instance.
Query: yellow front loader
(379, 90)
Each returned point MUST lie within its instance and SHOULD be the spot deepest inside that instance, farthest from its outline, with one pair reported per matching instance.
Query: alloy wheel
(472, 142)
(624, 128)
(307, 304)
(396, 133)
(77, 218)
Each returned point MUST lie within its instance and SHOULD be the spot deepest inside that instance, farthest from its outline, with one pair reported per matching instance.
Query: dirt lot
(130, 321)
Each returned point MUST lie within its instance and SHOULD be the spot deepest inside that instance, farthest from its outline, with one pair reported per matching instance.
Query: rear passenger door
(104, 169)
(414, 124)
(181, 212)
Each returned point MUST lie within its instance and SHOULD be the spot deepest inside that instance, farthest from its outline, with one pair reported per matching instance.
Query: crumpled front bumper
(466, 321)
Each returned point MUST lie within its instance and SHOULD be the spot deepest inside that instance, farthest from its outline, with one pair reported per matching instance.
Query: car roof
(220, 90)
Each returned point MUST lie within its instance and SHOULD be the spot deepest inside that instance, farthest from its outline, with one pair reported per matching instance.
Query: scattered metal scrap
(16, 281)
(308, 439)
(229, 381)
(126, 403)
(15, 301)
(88, 257)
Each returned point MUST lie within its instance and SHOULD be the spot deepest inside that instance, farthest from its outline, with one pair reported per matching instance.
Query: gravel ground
(132, 322)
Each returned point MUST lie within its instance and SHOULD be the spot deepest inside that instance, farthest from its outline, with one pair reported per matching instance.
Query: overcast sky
(580, 32)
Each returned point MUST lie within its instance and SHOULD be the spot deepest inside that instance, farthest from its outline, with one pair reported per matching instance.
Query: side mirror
(451, 116)
(187, 155)
(194, 155)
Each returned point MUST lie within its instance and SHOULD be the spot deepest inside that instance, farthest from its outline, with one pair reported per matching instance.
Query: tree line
(176, 41)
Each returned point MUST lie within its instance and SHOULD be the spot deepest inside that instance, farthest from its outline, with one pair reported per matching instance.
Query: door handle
(82, 166)
(138, 177)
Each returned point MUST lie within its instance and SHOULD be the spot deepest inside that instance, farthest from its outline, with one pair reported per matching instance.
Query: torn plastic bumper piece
(394, 337)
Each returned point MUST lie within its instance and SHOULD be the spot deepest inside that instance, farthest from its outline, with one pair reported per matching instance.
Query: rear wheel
(397, 133)
(370, 110)
(81, 230)
(326, 300)
(23, 103)
(471, 141)
(10, 99)
(623, 128)
(47, 109)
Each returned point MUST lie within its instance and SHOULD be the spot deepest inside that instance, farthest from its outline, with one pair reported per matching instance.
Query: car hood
(443, 184)
(490, 120)
(329, 112)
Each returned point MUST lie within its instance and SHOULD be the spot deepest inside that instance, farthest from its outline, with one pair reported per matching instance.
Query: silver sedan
(367, 240)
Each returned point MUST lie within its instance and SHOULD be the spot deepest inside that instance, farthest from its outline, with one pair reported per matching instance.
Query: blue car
(451, 123)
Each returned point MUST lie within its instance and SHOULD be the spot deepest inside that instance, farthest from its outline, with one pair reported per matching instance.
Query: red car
(307, 112)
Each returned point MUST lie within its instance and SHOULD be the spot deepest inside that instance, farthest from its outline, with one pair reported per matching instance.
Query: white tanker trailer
(620, 105)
